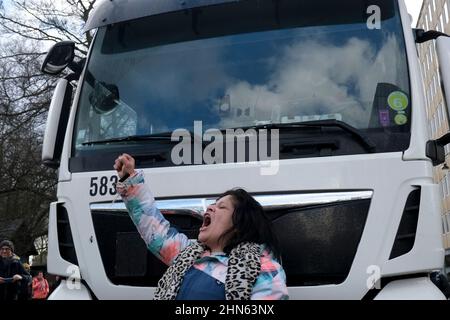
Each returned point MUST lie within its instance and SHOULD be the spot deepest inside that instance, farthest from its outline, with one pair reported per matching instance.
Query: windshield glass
(245, 64)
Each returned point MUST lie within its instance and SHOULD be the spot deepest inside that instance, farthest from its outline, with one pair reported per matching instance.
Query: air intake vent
(319, 243)
(406, 233)
(124, 254)
(65, 240)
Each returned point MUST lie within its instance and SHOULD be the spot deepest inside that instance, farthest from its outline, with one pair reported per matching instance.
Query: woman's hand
(124, 165)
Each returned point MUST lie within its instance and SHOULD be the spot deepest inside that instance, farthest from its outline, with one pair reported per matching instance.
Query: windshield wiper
(150, 137)
(164, 136)
(360, 137)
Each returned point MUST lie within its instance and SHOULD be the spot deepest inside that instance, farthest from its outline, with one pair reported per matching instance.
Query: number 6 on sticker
(398, 101)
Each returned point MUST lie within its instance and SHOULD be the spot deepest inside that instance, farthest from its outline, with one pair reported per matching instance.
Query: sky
(414, 7)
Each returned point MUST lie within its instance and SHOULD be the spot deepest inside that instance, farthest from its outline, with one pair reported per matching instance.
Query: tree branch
(54, 25)
(30, 28)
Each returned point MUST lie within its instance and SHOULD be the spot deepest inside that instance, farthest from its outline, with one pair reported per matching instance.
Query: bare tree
(28, 28)
(32, 26)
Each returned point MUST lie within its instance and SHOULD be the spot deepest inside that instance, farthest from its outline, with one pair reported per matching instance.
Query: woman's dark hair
(250, 223)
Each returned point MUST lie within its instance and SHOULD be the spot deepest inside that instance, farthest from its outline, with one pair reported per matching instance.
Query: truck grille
(319, 234)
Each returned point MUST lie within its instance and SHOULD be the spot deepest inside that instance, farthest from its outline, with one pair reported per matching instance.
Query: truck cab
(315, 108)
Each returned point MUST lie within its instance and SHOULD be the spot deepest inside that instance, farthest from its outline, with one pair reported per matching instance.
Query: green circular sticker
(398, 101)
(400, 119)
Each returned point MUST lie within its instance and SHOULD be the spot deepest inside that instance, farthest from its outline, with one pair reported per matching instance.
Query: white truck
(351, 194)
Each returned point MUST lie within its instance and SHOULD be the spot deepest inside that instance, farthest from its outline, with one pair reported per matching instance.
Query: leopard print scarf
(244, 266)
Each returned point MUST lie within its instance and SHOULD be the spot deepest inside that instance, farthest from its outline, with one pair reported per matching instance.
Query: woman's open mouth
(206, 221)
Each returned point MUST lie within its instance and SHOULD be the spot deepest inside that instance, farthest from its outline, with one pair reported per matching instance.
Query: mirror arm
(72, 77)
(77, 66)
(444, 140)
(422, 36)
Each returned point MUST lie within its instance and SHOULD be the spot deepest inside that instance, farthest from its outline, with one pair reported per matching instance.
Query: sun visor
(107, 12)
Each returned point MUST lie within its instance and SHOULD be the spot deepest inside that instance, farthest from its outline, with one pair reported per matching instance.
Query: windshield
(247, 64)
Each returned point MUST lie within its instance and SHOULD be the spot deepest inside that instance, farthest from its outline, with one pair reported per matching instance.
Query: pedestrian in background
(40, 287)
(26, 291)
(11, 272)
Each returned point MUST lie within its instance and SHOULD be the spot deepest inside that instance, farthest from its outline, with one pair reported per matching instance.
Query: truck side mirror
(59, 57)
(55, 129)
(436, 149)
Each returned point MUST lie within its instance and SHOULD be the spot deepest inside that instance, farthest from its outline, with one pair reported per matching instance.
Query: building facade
(435, 15)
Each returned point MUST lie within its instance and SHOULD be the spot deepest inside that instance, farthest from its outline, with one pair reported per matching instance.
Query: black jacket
(8, 268)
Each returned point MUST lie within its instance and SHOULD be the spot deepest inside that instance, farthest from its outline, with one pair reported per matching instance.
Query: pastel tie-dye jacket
(165, 242)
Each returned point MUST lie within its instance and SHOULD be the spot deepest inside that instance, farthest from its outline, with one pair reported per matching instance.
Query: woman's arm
(164, 241)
